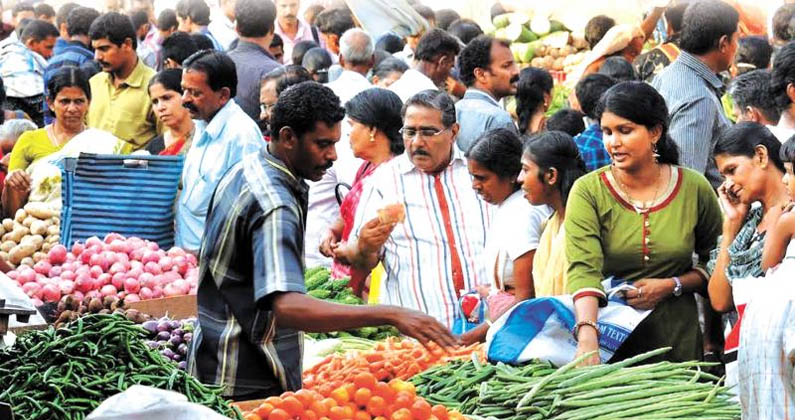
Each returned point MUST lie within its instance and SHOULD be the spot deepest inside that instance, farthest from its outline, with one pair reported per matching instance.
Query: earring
(372, 137)
(655, 153)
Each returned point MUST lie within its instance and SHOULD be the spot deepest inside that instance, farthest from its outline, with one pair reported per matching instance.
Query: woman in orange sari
(165, 93)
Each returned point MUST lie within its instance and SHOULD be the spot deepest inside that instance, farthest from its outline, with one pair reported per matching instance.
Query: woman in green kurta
(641, 219)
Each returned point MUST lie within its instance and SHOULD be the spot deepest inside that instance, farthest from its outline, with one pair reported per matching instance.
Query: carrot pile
(365, 398)
(390, 359)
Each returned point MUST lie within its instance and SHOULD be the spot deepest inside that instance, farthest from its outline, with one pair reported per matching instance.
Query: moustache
(103, 64)
(191, 107)
(515, 79)
(326, 166)
(263, 125)
(419, 152)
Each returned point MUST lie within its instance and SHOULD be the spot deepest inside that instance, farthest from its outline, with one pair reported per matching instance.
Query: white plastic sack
(145, 403)
(542, 329)
(46, 174)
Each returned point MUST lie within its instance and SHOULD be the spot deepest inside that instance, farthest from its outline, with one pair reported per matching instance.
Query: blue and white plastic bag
(542, 328)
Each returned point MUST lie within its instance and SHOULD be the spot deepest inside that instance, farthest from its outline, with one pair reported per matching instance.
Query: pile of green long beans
(538, 390)
(66, 373)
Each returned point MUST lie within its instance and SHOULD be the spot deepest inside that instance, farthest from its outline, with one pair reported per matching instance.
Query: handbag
(129, 195)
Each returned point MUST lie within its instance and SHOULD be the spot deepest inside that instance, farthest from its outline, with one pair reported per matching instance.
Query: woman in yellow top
(551, 163)
(68, 99)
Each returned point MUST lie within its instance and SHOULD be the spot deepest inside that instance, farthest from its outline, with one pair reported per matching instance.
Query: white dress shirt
(411, 83)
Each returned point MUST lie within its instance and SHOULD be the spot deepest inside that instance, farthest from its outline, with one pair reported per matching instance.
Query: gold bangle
(580, 324)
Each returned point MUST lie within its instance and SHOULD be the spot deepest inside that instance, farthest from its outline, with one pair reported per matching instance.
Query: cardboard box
(176, 307)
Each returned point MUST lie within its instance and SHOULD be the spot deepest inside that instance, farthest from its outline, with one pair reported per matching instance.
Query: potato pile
(70, 308)
(28, 237)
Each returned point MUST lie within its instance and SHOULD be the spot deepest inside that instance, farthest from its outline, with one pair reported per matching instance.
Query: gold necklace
(646, 206)
(59, 138)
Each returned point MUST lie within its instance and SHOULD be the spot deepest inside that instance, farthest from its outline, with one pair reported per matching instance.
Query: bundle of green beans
(66, 373)
(539, 391)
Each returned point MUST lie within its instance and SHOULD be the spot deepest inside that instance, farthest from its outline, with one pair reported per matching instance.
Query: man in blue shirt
(487, 67)
(61, 25)
(75, 49)
(590, 142)
(223, 135)
(690, 86)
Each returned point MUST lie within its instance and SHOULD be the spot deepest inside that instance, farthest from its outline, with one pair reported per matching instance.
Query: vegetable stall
(99, 346)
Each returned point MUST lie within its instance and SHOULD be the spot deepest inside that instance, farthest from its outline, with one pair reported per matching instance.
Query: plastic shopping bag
(143, 402)
(541, 328)
(472, 312)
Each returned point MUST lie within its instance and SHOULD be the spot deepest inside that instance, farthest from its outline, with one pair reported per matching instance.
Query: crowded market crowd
(308, 141)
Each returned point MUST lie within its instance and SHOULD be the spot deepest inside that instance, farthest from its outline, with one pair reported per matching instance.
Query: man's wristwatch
(678, 290)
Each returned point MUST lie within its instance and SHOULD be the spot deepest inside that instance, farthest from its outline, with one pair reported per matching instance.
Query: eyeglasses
(426, 133)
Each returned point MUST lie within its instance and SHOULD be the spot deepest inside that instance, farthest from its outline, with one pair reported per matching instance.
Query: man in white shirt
(434, 57)
(356, 60)
(221, 26)
(433, 256)
(292, 29)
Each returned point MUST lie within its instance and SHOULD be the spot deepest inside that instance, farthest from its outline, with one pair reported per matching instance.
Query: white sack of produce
(143, 402)
(46, 174)
(542, 329)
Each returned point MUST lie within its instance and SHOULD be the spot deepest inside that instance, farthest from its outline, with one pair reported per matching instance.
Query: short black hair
(219, 69)
(169, 78)
(301, 106)
(289, 76)
(68, 76)
(444, 17)
(202, 41)
(22, 6)
(590, 89)
(80, 20)
(255, 18)
(436, 100)
(752, 89)
(567, 120)
(754, 51)
(742, 139)
(115, 27)
(783, 23)
(476, 55)
(465, 30)
(596, 29)
(139, 18)
(532, 86)
(426, 12)
(674, 16)
(704, 23)
(196, 10)
(618, 69)
(389, 66)
(556, 149)
(167, 20)
(435, 43)
(498, 150)
(44, 9)
(39, 30)
(317, 61)
(178, 47)
(300, 49)
(277, 41)
(379, 108)
(63, 13)
(390, 42)
(787, 151)
(783, 75)
(335, 21)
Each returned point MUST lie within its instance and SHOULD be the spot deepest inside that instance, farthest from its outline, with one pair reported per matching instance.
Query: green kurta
(607, 237)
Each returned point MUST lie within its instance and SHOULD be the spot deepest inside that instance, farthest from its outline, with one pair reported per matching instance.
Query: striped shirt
(252, 248)
(446, 227)
(691, 91)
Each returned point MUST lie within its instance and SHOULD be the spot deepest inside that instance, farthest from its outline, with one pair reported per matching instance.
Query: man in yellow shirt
(120, 101)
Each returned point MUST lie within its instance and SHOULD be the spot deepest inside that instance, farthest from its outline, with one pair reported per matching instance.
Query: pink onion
(133, 297)
(131, 285)
(145, 293)
(68, 275)
(94, 240)
(108, 290)
(118, 280)
(152, 267)
(57, 254)
(95, 271)
(111, 237)
(26, 276)
(66, 286)
(42, 267)
(104, 279)
(166, 263)
(77, 248)
(55, 271)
